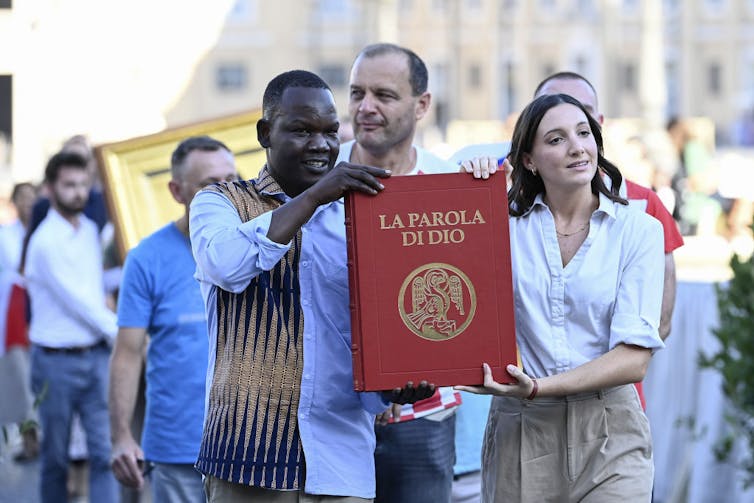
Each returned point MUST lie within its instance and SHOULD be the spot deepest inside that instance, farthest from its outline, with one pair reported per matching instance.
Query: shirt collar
(538, 201)
(267, 185)
(622, 190)
(605, 206)
(60, 221)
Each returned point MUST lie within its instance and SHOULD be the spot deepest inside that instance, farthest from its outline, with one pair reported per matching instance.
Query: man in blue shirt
(388, 96)
(283, 421)
(160, 298)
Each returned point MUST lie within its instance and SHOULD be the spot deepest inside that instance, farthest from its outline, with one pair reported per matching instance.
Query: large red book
(430, 281)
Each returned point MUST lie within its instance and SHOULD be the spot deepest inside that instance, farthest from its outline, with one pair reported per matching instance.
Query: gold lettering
(452, 218)
(435, 237)
(456, 235)
(432, 219)
(411, 238)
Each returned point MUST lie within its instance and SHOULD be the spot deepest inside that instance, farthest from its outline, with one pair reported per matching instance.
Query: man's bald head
(575, 85)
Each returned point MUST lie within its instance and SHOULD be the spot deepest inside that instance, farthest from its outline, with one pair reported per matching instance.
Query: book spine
(353, 289)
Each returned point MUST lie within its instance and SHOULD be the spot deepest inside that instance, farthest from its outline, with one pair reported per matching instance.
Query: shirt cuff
(270, 252)
(635, 331)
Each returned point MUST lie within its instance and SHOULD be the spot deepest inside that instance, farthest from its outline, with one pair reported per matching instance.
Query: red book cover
(430, 281)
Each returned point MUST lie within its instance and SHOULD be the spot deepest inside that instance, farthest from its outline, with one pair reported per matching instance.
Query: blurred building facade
(485, 56)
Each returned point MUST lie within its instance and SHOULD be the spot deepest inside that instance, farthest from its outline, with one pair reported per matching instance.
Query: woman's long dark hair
(526, 185)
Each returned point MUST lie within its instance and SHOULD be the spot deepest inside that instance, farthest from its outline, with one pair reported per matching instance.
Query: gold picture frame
(135, 173)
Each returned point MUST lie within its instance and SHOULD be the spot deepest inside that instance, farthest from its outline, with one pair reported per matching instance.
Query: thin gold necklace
(568, 234)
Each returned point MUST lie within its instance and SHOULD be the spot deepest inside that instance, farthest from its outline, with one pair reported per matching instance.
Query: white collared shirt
(64, 279)
(609, 293)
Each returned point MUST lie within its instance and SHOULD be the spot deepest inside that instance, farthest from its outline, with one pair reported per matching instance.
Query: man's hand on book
(393, 412)
(346, 177)
(410, 393)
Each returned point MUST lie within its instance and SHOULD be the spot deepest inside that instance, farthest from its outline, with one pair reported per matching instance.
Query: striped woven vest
(251, 433)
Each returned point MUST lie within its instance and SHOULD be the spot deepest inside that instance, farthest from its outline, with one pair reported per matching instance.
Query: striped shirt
(251, 430)
(281, 410)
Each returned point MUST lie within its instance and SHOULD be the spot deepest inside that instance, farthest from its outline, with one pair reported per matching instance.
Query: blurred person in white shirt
(71, 330)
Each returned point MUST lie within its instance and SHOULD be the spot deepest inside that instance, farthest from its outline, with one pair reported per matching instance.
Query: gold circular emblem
(437, 301)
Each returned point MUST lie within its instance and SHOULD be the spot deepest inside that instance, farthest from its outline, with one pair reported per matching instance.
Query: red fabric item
(17, 328)
(673, 238)
(443, 398)
(640, 390)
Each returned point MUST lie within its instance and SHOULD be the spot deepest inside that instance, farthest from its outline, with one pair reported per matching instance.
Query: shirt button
(307, 376)
(304, 263)
(305, 302)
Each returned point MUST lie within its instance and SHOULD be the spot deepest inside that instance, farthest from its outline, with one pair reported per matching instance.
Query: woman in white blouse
(588, 275)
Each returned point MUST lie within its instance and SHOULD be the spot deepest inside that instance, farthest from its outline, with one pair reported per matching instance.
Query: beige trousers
(220, 491)
(590, 448)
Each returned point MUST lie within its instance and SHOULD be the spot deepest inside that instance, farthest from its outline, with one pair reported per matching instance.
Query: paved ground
(19, 482)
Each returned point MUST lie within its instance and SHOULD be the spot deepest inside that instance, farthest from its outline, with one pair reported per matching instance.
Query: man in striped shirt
(282, 421)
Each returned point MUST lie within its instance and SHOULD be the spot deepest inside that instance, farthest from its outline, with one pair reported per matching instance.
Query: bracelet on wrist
(533, 390)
